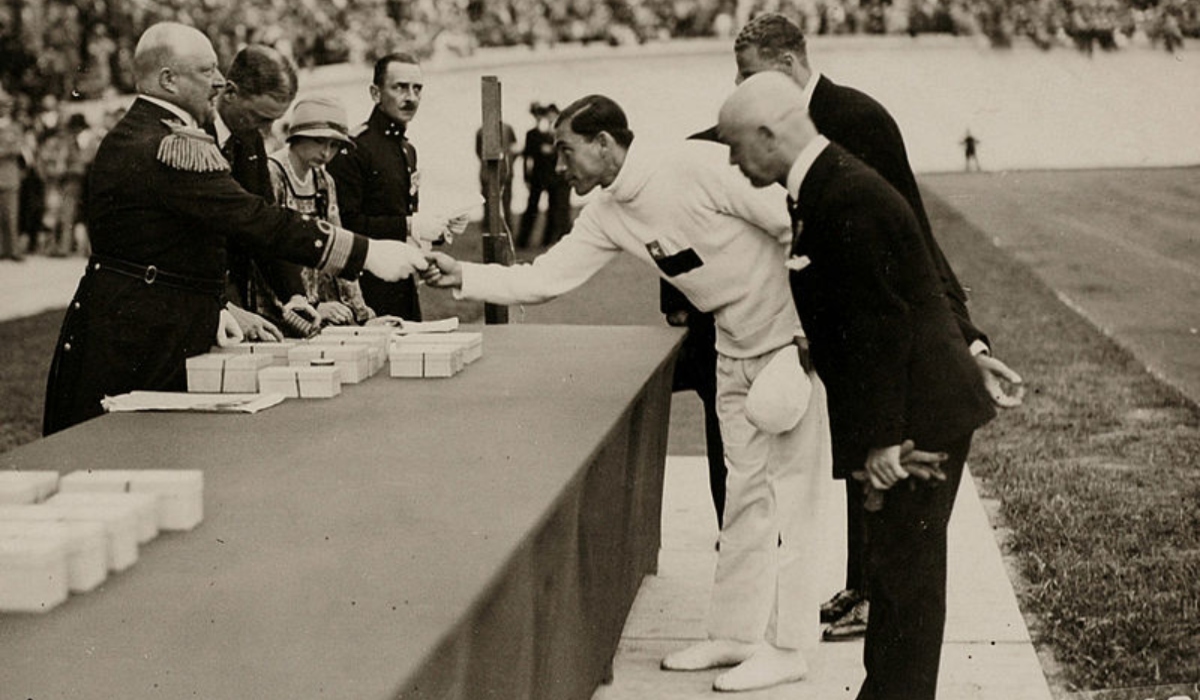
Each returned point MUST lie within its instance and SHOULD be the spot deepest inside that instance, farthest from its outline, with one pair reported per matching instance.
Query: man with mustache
(378, 182)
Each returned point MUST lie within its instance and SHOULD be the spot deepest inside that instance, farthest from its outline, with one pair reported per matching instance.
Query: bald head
(177, 63)
(765, 124)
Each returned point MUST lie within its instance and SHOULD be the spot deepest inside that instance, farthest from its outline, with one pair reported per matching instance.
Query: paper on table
(444, 325)
(174, 401)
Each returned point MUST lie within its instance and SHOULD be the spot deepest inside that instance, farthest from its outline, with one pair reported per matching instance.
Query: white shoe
(768, 666)
(713, 653)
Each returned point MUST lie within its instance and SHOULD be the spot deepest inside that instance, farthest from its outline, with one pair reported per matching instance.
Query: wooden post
(497, 247)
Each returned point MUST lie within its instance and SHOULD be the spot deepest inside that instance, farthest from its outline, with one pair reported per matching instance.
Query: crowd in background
(55, 51)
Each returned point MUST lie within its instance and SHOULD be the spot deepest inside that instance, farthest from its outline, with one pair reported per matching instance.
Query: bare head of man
(765, 125)
(177, 63)
(772, 42)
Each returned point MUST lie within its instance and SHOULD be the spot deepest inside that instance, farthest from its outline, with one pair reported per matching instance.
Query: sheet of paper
(202, 403)
(444, 325)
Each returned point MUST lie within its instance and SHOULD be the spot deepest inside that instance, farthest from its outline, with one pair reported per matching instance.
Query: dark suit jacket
(881, 332)
(247, 155)
(376, 194)
(863, 127)
(120, 333)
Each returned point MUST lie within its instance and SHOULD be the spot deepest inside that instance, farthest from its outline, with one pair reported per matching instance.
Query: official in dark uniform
(377, 180)
(884, 339)
(161, 205)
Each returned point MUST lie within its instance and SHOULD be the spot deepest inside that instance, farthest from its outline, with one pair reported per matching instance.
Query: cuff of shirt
(979, 347)
(344, 253)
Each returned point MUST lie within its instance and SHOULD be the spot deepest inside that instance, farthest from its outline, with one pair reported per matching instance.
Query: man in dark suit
(161, 206)
(884, 339)
(862, 126)
(259, 88)
(377, 180)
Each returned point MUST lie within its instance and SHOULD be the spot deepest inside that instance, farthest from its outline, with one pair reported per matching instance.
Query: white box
(45, 481)
(406, 362)
(120, 526)
(425, 361)
(301, 382)
(377, 342)
(87, 548)
(277, 351)
(352, 360)
(206, 373)
(144, 506)
(179, 492)
(279, 380)
(241, 372)
(470, 342)
(33, 574)
(17, 492)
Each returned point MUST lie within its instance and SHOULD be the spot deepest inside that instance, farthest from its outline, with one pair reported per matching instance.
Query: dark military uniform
(161, 205)
(377, 193)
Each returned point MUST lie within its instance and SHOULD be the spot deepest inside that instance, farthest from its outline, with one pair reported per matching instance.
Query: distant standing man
(970, 146)
(12, 137)
(161, 205)
(538, 159)
(378, 181)
(861, 125)
(886, 344)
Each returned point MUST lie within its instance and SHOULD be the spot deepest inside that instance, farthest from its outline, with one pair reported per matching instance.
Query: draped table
(480, 536)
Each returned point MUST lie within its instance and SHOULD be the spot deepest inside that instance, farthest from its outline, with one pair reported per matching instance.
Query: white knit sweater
(691, 198)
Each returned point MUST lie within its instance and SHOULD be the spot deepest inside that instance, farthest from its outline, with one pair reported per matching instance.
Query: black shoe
(852, 625)
(836, 607)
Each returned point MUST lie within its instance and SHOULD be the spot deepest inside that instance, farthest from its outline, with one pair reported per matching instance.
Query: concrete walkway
(987, 655)
(37, 284)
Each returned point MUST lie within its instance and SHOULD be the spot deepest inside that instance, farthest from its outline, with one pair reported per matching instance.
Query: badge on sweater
(190, 149)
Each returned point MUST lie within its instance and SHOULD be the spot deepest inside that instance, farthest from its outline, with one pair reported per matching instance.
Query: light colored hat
(319, 118)
(778, 396)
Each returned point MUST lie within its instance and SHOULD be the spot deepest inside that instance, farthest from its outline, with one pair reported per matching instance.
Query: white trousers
(764, 587)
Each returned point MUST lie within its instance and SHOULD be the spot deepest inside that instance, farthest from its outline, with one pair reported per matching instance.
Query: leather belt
(153, 275)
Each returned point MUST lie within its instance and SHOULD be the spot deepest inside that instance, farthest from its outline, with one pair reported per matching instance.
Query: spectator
(12, 139)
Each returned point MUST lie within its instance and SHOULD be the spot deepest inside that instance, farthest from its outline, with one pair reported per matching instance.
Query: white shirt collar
(810, 86)
(632, 177)
(803, 163)
(223, 132)
(178, 111)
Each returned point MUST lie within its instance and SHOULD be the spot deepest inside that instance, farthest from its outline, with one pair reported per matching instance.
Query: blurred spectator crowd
(53, 52)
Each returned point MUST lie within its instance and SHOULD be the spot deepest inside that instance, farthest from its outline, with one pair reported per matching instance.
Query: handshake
(394, 260)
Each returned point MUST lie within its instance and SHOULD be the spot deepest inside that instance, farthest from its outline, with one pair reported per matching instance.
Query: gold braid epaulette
(190, 150)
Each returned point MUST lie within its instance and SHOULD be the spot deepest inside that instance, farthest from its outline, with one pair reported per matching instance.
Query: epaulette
(190, 149)
(358, 130)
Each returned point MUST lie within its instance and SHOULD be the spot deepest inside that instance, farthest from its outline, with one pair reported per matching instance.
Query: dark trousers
(906, 581)
(856, 537)
(696, 370)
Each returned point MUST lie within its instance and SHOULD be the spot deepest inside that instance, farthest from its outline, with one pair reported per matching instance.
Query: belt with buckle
(153, 275)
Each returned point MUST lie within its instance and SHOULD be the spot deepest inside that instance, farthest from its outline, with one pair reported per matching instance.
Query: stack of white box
(322, 381)
(353, 361)
(52, 544)
(433, 354)
(226, 373)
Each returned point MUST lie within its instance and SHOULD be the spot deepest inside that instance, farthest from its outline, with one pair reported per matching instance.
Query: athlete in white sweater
(723, 243)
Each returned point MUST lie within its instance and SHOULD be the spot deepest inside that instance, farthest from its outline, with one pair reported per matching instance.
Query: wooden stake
(497, 247)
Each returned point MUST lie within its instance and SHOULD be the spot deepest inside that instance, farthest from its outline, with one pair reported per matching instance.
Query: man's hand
(228, 331)
(300, 306)
(995, 374)
(443, 271)
(427, 230)
(335, 312)
(254, 327)
(677, 318)
(926, 466)
(884, 468)
(393, 260)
